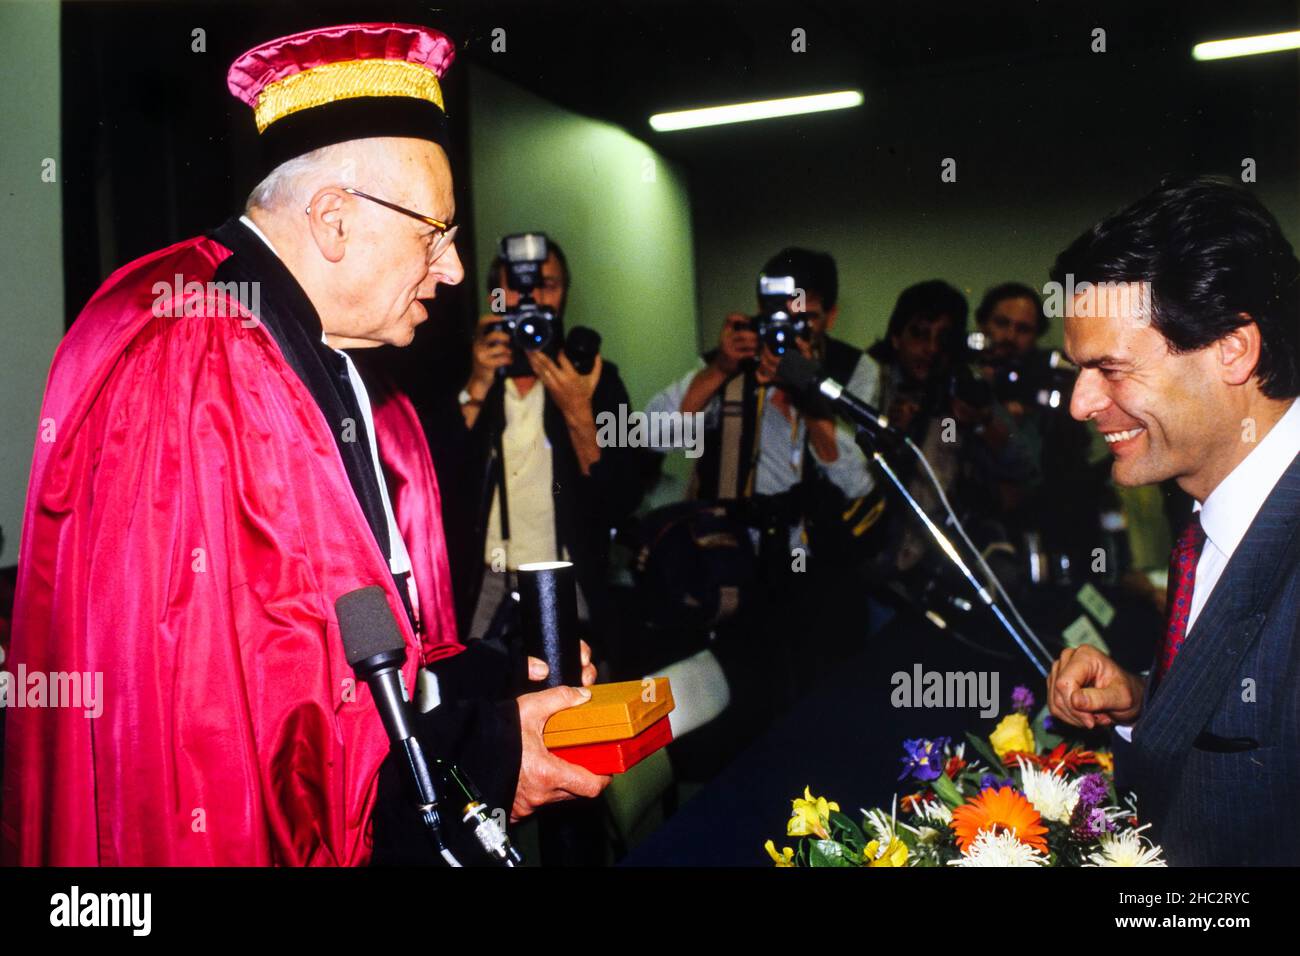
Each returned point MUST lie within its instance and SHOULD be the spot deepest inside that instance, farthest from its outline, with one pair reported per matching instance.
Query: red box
(618, 756)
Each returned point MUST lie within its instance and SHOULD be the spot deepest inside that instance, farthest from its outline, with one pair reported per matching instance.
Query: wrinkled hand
(737, 343)
(568, 388)
(538, 668)
(1087, 688)
(544, 778)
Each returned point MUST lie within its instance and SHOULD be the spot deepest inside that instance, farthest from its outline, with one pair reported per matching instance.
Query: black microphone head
(367, 625)
(798, 372)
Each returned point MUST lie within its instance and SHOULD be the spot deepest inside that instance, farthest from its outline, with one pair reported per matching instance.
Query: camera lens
(779, 338)
(534, 332)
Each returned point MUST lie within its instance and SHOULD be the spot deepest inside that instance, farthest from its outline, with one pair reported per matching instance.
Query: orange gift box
(614, 712)
(619, 756)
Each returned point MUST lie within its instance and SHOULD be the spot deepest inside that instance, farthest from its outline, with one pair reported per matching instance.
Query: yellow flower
(1107, 760)
(784, 858)
(810, 816)
(894, 855)
(1013, 734)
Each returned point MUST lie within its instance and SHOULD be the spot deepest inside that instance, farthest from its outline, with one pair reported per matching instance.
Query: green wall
(1039, 157)
(31, 243)
(620, 211)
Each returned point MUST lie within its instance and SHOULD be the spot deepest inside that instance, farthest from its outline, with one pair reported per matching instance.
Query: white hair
(295, 181)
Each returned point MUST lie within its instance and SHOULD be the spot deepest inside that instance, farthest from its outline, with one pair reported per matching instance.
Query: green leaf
(845, 823)
(985, 751)
(1045, 739)
(947, 790)
(827, 853)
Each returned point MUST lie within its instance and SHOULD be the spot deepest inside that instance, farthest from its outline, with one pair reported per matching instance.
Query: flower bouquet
(1021, 797)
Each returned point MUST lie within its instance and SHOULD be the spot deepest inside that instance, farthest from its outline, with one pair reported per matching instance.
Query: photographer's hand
(491, 351)
(987, 426)
(572, 391)
(737, 343)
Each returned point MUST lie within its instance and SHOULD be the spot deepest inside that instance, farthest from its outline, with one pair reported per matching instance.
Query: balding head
(365, 267)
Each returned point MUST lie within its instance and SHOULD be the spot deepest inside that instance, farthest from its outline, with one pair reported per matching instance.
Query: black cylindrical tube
(548, 612)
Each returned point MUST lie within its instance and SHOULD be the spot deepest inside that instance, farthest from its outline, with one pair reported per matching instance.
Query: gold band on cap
(345, 80)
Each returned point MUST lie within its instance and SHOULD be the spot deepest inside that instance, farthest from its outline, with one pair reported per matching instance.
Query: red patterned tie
(1182, 580)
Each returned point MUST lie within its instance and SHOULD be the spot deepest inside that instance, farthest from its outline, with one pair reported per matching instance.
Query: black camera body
(530, 327)
(777, 326)
(1040, 378)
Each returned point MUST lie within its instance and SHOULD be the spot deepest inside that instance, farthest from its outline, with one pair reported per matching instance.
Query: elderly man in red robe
(211, 473)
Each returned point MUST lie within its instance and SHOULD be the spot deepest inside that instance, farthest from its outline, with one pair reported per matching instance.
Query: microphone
(374, 648)
(805, 375)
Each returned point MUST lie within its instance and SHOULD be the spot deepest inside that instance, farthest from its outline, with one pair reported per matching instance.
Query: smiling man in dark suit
(1190, 371)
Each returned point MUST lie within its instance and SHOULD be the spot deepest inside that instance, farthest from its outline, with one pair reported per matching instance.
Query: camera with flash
(531, 327)
(777, 326)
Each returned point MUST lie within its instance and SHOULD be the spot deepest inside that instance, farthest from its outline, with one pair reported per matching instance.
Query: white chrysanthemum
(935, 811)
(927, 835)
(1051, 794)
(880, 825)
(999, 849)
(1126, 848)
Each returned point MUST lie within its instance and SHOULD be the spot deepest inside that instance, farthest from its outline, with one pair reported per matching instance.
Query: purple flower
(1048, 723)
(1091, 824)
(997, 783)
(1088, 820)
(923, 759)
(1092, 790)
(1022, 699)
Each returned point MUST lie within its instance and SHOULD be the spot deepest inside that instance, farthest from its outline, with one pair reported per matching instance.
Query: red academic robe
(189, 525)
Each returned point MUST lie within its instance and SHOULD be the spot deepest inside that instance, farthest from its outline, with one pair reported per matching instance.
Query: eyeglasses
(444, 231)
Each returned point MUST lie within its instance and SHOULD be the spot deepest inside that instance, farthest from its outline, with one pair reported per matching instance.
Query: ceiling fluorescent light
(763, 109)
(1246, 46)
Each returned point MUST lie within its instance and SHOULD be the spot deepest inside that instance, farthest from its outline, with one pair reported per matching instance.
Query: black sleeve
(482, 738)
(616, 479)
(485, 669)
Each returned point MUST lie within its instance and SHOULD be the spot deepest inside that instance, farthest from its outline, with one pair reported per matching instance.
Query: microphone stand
(871, 448)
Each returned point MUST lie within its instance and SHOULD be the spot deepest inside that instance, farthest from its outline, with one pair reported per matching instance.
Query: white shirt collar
(1230, 508)
(259, 233)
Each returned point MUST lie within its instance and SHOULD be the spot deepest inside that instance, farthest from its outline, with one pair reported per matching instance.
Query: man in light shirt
(1190, 371)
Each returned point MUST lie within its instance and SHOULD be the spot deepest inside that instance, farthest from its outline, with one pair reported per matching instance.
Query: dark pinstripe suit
(1217, 773)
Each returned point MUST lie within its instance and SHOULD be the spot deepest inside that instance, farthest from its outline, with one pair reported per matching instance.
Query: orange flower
(914, 801)
(999, 810)
(1071, 760)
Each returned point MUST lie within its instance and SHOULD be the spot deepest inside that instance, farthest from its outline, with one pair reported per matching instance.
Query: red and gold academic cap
(335, 84)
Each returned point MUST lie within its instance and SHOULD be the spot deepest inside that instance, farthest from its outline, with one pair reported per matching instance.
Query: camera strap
(733, 429)
(499, 474)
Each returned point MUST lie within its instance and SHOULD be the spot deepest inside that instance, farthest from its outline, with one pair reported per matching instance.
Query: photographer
(787, 475)
(525, 477)
(1034, 386)
(933, 392)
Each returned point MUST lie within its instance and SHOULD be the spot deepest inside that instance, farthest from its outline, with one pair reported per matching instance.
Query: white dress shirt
(1230, 508)
(1227, 513)
(781, 439)
(526, 454)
